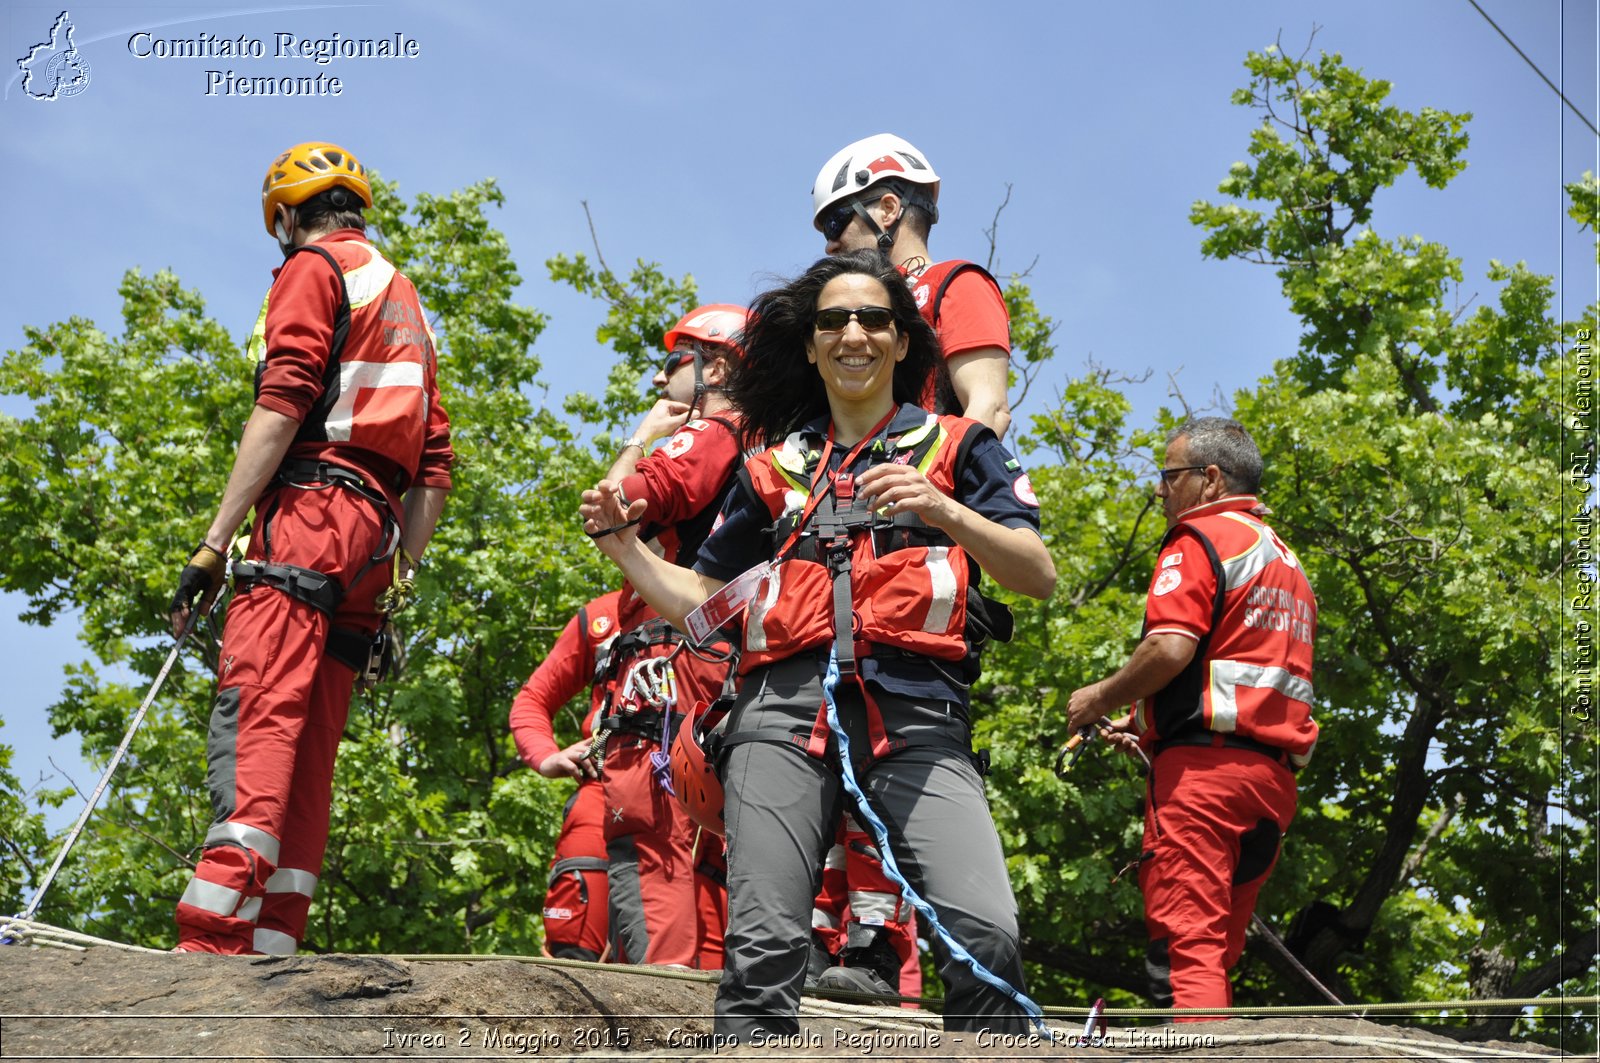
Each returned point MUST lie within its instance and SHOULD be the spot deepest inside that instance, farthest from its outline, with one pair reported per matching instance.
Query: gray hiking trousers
(782, 808)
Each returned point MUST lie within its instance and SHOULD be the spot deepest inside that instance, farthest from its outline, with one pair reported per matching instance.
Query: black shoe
(860, 979)
(870, 968)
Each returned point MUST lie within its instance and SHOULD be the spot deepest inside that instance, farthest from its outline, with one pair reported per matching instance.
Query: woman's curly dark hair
(778, 390)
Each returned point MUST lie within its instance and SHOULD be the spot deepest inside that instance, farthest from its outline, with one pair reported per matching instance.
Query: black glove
(202, 576)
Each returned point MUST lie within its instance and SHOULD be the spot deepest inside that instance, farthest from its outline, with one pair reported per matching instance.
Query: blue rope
(880, 834)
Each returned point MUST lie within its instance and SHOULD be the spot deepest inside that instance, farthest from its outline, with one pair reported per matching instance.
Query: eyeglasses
(837, 318)
(685, 351)
(1166, 476)
(835, 220)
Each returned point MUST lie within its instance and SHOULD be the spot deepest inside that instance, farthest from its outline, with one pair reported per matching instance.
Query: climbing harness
(372, 657)
(647, 695)
(105, 778)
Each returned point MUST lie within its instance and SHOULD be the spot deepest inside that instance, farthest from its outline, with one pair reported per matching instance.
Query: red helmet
(694, 780)
(714, 323)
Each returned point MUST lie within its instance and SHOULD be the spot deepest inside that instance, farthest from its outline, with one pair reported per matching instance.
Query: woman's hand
(603, 511)
(901, 488)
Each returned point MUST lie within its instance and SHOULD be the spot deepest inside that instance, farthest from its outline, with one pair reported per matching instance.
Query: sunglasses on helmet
(837, 318)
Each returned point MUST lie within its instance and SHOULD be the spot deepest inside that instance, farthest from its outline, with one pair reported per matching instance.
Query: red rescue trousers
(280, 710)
(1213, 823)
(659, 903)
(859, 899)
(575, 903)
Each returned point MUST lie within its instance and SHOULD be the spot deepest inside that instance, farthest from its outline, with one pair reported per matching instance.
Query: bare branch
(992, 232)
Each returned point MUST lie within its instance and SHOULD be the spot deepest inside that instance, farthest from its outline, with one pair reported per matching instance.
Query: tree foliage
(1413, 445)
(1415, 451)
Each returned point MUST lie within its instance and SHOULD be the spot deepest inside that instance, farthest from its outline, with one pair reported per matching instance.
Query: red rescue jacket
(1251, 673)
(908, 581)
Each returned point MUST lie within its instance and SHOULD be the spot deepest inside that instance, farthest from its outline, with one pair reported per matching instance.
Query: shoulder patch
(1023, 488)
(678, 445)
(1172, 560)
(696, 425)
(599, 626)
(1167, 582)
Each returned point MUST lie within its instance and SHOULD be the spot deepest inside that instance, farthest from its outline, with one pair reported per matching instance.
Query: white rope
(1163, 1038)
(43, 935)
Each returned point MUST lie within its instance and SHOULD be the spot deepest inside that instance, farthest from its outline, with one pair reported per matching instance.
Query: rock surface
(110, 1003)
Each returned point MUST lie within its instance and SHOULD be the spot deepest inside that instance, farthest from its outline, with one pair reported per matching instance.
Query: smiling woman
(863, 527)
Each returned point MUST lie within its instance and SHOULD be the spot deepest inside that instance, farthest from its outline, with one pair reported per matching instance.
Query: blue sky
(693, 131)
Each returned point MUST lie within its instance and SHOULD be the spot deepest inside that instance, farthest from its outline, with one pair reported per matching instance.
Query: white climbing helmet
(863, 164)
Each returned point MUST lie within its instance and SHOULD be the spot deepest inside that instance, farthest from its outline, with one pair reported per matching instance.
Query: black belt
(1219, 740)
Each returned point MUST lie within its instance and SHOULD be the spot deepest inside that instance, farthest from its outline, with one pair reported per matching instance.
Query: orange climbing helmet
(694, 780)
(309, 168)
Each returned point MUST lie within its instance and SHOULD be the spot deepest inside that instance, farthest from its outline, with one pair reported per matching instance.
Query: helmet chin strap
(699, 398)
(885, 237)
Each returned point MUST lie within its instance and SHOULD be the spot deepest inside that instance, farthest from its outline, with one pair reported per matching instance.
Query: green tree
(436, 826)
(1415, 462)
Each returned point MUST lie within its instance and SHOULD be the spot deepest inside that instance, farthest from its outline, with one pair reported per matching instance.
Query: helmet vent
(334, 157)
(303, 166)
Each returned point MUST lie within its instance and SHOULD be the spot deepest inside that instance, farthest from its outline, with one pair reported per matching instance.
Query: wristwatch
(633, 441)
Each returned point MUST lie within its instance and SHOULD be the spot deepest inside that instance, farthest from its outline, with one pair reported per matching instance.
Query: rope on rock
(43, 935)
(878, 1011)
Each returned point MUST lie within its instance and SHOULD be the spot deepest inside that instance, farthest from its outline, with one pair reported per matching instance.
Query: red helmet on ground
(714, 323)
(694, 780)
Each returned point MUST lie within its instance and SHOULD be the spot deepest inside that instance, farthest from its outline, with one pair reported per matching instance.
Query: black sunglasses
(837, 318)
(685, 351)
(835, 220)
